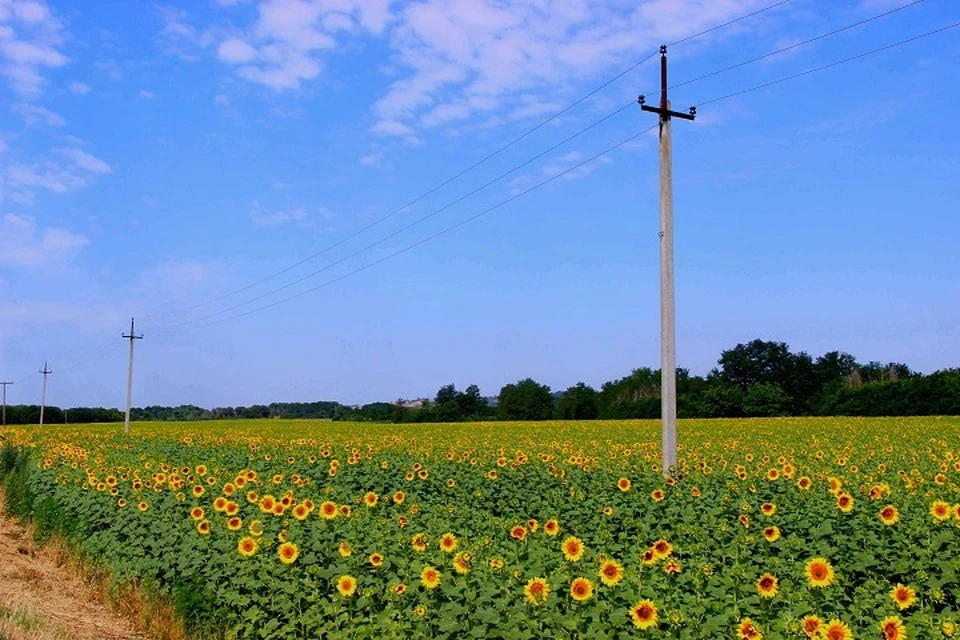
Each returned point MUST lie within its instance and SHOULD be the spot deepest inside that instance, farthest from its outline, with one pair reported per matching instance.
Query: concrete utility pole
(43, 394)
(668, 340)
(131, 336)
(4, 384)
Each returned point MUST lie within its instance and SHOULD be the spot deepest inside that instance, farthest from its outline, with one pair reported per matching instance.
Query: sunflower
(288, 552)
(430, 578)
(420, 611)
(220, 504)
(399, 497)
(196, 513)
(845, 502)
(804, 483)
(235, 524)
(345, 550)
(376, 559)
(836, 630)
(346, 585)
(644, 614)
(419, 543)
(572, 549)
(611, 572)
(649, 556)
(496, 563)
(399, 589)
(300, 512)
(203, 527)
(893, 629)
(889, 515)
(448, 542)
(551, 527)
(768, 586)
(608, 511)
(744, 520)
(672, 566)
(662, 549)
(657, 495)
(345, 510)
(247, 546)
(768, 508)
(772, 534)
(461, 563)
(940, 511)
(536, 591)
(533, 525)
(624, 484)
(256, 528)
(903, 596)
(252, 497)
(695, 492)
(748, 630)
(581, 589)
(370, 499)
(328, 510)
(267, 503)
(811, 626)
(819, 572)
(773, 474)
(197, 491)
(518, 532)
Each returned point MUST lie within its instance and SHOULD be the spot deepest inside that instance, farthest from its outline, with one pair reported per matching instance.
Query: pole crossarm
(131, 337)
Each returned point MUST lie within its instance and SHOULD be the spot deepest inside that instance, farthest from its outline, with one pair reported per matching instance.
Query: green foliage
(579, 402)
(525, 400)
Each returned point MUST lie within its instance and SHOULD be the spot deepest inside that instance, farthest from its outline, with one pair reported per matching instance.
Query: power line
(435, 235)
(470, 168)
(408, 226)
(516, 168)
(558, 175)
(831, 64)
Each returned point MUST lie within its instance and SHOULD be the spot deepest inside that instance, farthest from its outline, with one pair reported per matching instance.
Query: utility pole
(668, 338)
(43, 394)
(131, 336)
(4, 384)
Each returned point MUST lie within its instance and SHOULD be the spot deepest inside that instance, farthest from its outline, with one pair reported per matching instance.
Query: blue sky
(156, 156)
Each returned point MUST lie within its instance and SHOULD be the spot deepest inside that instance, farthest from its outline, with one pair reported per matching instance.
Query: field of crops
(784, 528)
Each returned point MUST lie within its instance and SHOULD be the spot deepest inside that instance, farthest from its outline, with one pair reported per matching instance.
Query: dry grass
(47, 594)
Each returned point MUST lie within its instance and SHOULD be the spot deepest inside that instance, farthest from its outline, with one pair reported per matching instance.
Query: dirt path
(41, 598)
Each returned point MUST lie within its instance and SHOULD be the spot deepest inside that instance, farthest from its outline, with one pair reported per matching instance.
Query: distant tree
(579, 402)
(765, 399)
(525, 400)
(472, 404)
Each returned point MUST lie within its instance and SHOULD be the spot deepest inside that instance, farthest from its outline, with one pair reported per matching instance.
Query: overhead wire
(448, 205)
(470, 168)
(560, 174)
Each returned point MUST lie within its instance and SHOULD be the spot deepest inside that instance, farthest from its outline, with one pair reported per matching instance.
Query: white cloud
(235, 51)
(80, 88)
(221, 100)
(263, 218)
(143, 94)
(373, 159)
(29, 39)
(24, 244)
(86, 160)
(33, 114)
(459, 56)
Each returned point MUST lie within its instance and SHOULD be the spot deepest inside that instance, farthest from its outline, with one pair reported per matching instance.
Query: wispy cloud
(24, 244)
(30, 35)
(79, 88)
(34, 114)
(86, 160)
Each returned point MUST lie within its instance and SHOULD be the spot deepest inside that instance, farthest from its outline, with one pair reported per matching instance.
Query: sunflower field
(825, 528)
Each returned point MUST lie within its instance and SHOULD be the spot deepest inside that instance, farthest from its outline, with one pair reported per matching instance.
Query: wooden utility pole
(4, 384)
(43, 394)
(668, 341)
(131, 336)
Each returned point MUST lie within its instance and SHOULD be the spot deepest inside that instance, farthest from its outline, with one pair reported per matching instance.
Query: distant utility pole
(131, 336)
(4, 384)
(43, 394)
(668, 338)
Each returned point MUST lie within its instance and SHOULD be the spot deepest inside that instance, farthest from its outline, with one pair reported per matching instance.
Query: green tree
(525, 400)
(579, 402)
(765, 399)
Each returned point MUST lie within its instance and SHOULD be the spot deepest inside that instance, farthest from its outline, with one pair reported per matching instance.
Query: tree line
(754, 379)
